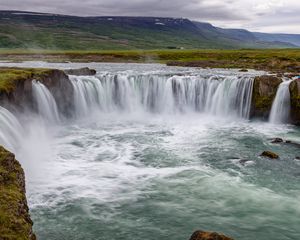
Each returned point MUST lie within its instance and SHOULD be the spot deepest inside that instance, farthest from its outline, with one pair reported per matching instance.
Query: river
(149, 159)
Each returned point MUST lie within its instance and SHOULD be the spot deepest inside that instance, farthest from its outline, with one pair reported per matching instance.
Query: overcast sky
(256, 15)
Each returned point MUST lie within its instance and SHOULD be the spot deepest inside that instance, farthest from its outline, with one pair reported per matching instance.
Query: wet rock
(201, 235)
(243, 70)
(81, 71)
(264, 92)
(277, 140)
(294, 144)
(21, 95)
(269, 154)
(295, 101)
(244, 161)
(297, 158)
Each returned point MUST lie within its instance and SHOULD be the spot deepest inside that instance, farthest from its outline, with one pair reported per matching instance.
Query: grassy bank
(9, 77)
(287, 60)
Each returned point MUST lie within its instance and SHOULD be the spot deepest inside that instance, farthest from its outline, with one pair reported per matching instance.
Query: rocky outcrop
(15, 221)
(295, 101)
(264, 92)
(201, 235)
(20, 95)
(81, 72)
(61, 88)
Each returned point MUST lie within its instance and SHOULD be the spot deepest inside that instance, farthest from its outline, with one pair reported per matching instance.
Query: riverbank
(15, 221)
(273, 60)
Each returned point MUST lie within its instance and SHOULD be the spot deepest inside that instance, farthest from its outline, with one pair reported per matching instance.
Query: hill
(28, 30)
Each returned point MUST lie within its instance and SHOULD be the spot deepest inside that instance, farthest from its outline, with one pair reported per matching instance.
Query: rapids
(155, 152)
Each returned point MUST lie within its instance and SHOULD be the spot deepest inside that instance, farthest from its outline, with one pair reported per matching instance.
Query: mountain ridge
(35, 30)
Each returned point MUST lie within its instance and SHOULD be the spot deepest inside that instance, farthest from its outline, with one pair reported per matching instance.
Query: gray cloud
(253, 14)
(195, 9)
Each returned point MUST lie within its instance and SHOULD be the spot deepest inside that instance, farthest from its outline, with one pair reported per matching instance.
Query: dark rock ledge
(81, 71)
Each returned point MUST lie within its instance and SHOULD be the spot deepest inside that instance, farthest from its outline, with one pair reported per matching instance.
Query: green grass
(9, 77)
(269, 59)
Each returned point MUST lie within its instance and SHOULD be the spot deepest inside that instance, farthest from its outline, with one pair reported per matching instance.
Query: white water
(10, 130)
(47, 107)
(158, 93)
(132, 172)
(280, 112)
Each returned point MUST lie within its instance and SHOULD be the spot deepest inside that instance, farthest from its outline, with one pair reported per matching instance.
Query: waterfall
(10, 130)
(47, 107)
(280, 112)
(217, 95)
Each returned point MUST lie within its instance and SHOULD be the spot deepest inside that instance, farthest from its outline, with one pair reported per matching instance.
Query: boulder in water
(277, 140)
(245, 162)
(201, 235)
(269, 154)
(81, 72)
(295, 144)
(243, 70)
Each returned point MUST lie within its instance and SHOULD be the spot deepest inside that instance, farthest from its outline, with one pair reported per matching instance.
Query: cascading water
(10, 130)
(148, 177)
(218, 95)
(280, 112)
(47, 107)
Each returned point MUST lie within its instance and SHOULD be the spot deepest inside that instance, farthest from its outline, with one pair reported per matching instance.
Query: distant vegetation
(287, 60)
(9, 77)
(23, 30)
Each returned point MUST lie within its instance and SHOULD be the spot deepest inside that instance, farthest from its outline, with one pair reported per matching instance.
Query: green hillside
(23, 30)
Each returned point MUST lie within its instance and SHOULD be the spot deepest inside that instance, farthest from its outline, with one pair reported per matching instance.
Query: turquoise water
(162, 178)
(135, 175)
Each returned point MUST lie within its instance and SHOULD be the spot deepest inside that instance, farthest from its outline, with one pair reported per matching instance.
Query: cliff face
(264, 92)
(61, 88)
(16, 90)
(295, 101)
(15, 222)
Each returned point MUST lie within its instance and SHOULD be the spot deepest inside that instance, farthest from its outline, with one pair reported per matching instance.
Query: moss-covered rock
(15, 222)
(264, 92)
(201, 235)
(295, 101)
(16, 87)
(269, 154)
(11, 77)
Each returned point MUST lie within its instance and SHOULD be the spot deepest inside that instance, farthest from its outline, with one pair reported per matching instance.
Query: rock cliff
(295, 101)
(264, 92)
(15, 221)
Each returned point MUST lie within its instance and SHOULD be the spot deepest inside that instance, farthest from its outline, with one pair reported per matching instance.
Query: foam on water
(155, 154)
